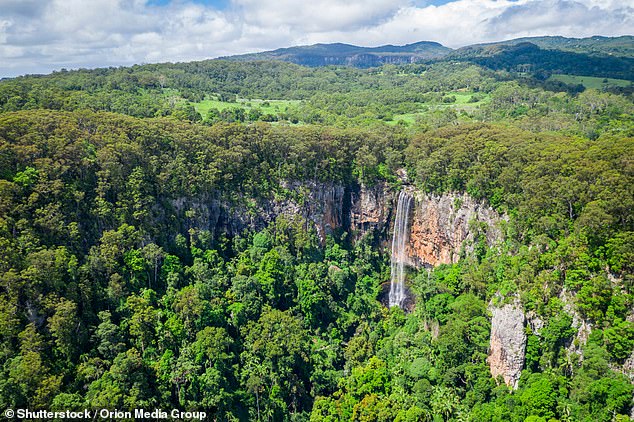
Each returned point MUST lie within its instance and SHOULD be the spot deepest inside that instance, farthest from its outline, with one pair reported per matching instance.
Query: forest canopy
(143, 263)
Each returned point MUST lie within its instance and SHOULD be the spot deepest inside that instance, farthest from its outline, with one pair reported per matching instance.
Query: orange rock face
(443, 227)
(429, 244)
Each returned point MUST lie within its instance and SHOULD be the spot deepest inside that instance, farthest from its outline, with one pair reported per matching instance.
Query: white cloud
(454, 24)
(318, 16)
(43, 35)
(564, 17)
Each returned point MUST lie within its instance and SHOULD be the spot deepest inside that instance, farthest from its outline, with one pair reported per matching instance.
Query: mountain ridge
(622, 46)
(592, 56)
(323, 54)
(595, 45)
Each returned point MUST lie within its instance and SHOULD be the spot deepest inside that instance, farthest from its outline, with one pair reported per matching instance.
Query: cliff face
(445, 226)
(350, 55)
(508, 342)
(583, 327)
(442, 227)
(324, 205)
(371, 208)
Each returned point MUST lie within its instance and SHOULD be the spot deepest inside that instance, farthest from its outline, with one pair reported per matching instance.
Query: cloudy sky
(39, 36)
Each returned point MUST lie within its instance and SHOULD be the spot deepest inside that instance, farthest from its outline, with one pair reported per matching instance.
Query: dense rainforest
(143, 264)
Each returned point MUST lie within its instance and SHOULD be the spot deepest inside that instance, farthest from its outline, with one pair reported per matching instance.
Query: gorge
(223, 236)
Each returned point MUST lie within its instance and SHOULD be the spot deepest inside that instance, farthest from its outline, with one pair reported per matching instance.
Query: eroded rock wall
(508, 342)
(371, 208)
(444, 226)
(324, 205)
(583, 326)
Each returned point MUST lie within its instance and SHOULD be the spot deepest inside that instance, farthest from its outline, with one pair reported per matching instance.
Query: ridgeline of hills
(351, 55)
(595, 46)
(527, 57)
(608, 57)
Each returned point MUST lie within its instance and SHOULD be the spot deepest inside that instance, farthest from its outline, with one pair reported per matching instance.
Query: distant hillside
(596, 46)
(351, 55)
(604, 57)
(527, 57)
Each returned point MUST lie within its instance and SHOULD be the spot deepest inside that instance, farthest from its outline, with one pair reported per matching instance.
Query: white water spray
(399, 253)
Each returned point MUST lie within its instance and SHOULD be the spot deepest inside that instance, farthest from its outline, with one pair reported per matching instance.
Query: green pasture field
(266, 106)
(461, 103)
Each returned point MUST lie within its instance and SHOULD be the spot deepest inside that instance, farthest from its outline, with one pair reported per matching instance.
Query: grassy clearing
(590, 81)
(462, 103)
(464, 100)
(266, 106)
(465, 97)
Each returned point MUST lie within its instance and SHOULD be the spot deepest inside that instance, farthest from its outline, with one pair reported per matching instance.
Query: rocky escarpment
(508, 342)
(371, 208)
(324, 205)
(442, 227)
(350, 55)
(628, 366)
(583, 326)
(448, 225)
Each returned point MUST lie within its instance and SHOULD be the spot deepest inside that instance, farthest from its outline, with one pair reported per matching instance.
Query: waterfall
(399, 254)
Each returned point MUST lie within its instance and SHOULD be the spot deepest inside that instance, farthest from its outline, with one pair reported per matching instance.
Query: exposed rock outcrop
(325, 205)
(508, 342)
(370, 208)
(535, 322)
(444, 226)
(583, 327)
(628, 367)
